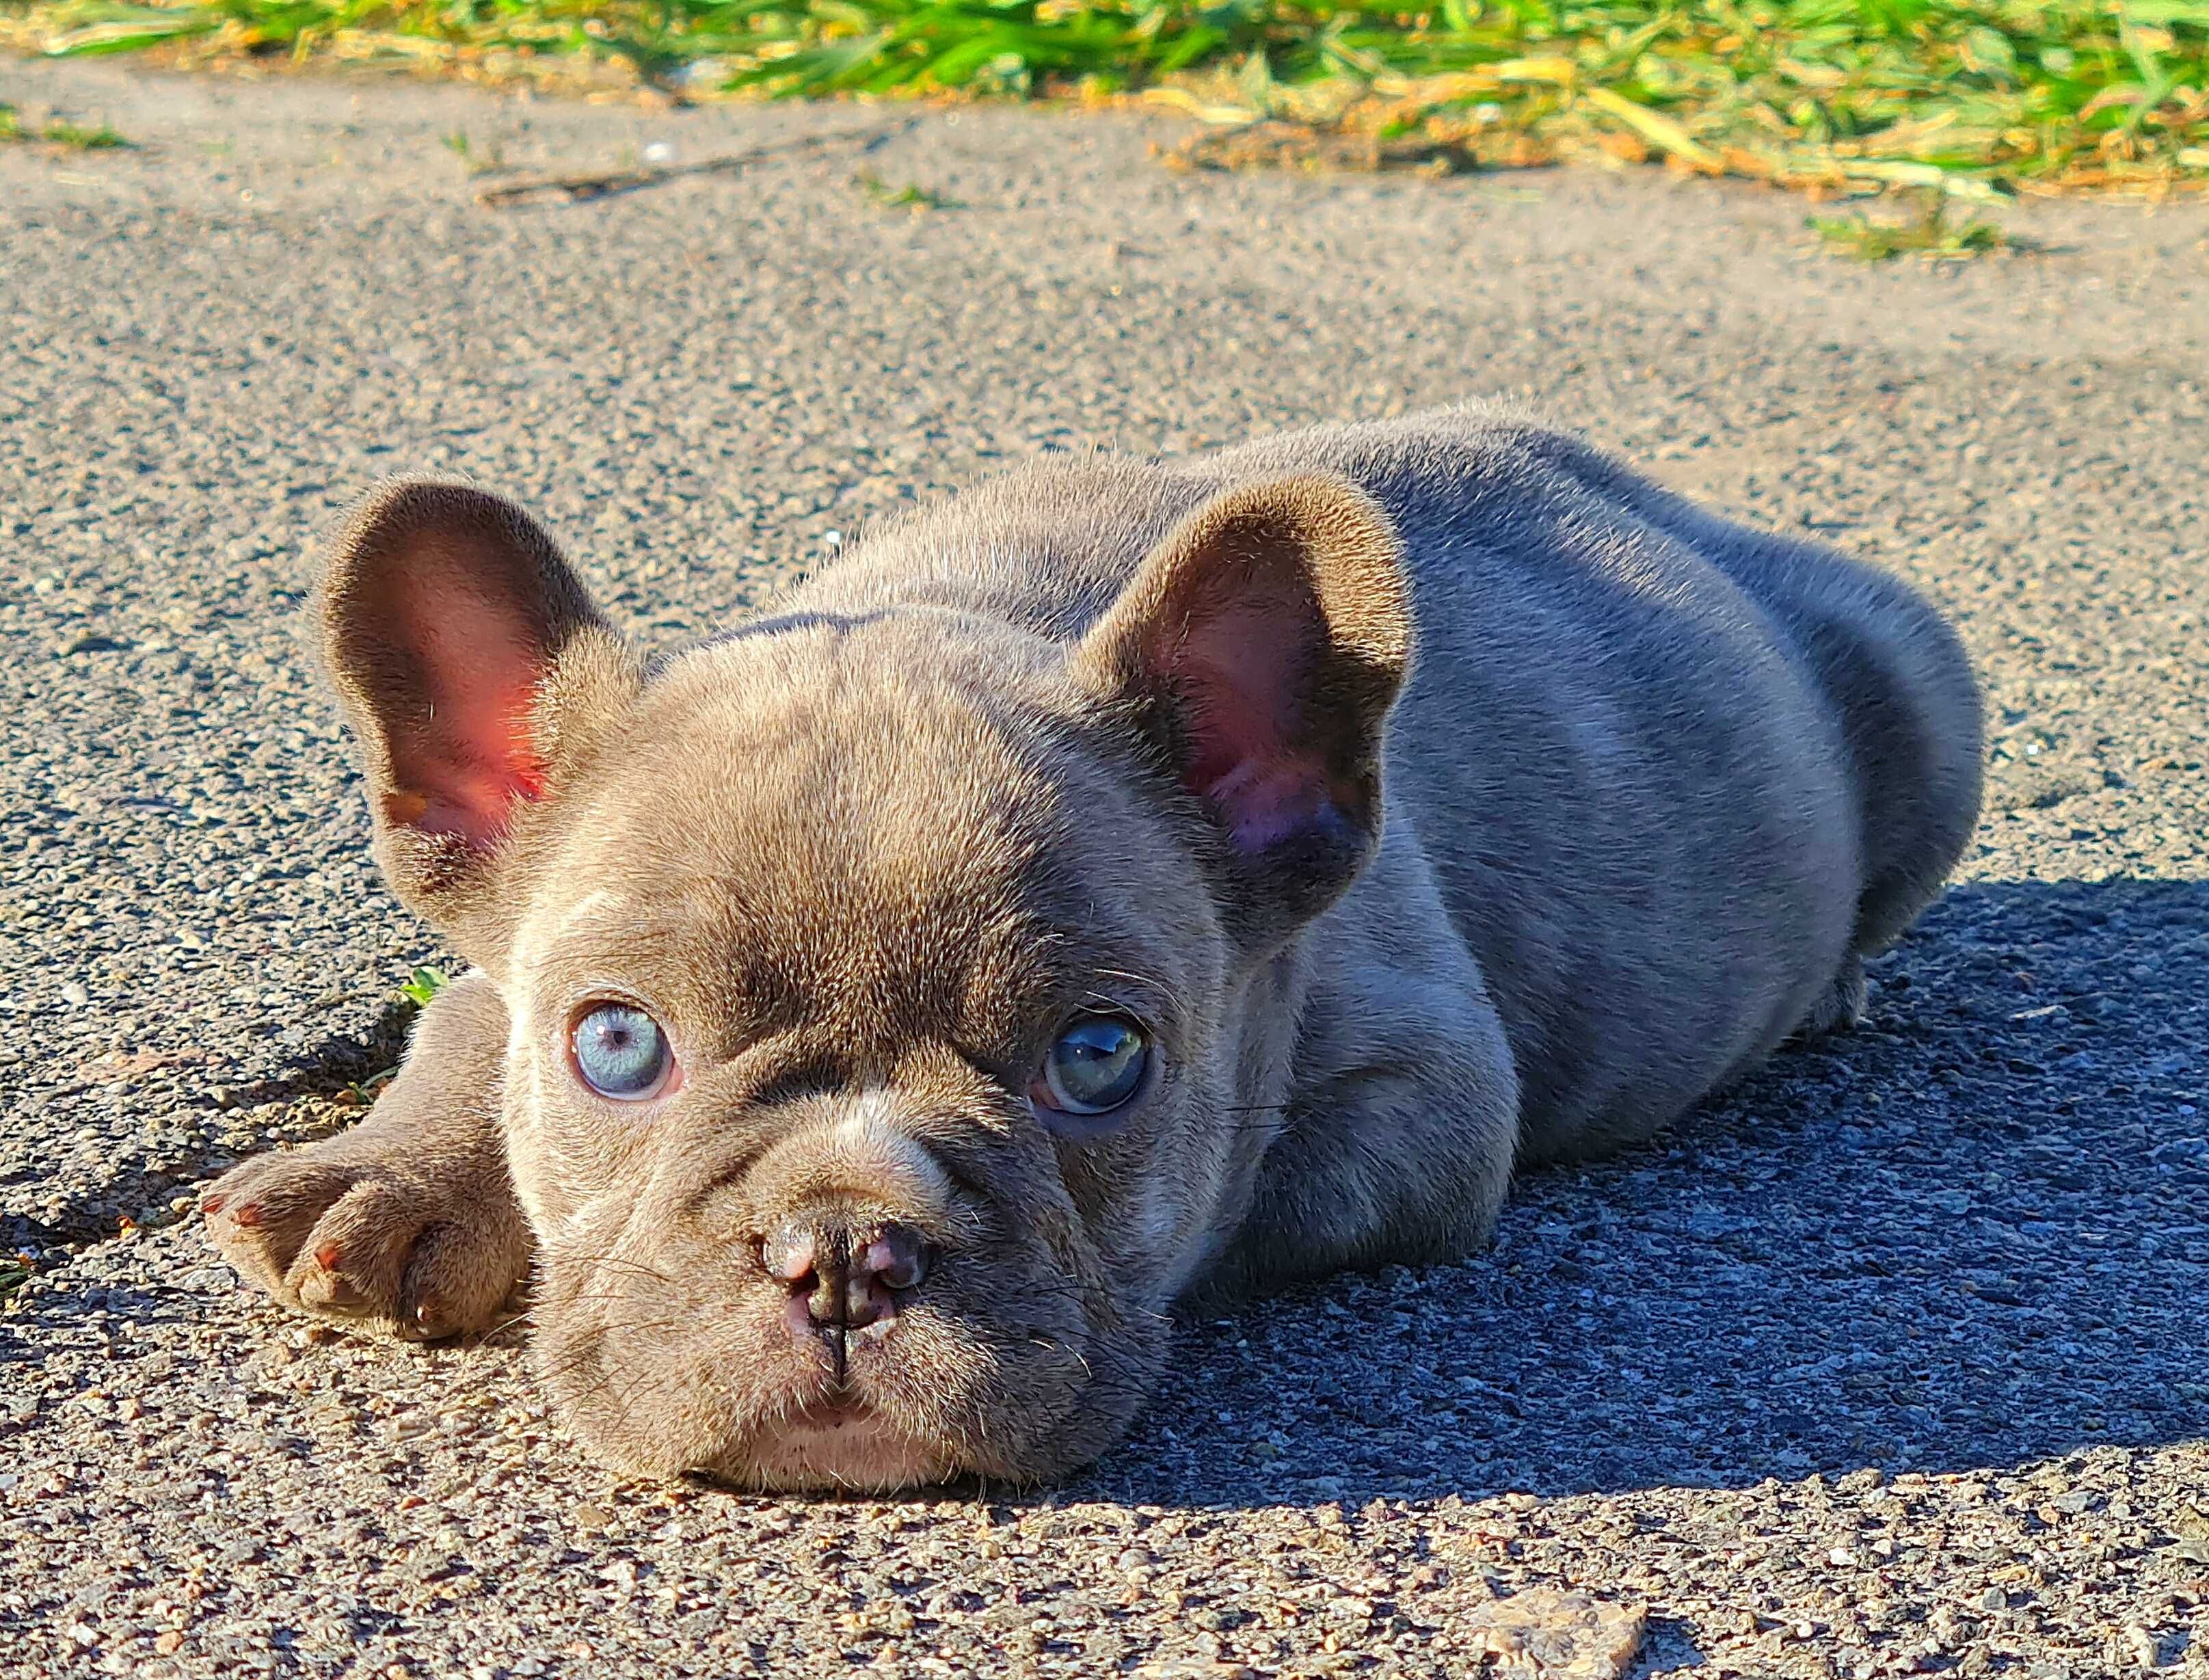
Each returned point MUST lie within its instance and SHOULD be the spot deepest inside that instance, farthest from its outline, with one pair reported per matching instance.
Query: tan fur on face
(861, 945)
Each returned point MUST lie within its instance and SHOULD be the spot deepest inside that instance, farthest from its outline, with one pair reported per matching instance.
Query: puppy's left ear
(478, 675)
(1258, 650)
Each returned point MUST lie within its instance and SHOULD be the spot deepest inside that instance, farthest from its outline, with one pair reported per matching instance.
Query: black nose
(850, 1275)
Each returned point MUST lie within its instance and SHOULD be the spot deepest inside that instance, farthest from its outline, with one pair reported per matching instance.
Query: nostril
(902, 1272)
(790, 1253)
(897, 1258)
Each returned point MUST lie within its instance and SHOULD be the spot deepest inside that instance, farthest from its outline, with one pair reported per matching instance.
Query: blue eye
(621, 1053)
(1095, 1065)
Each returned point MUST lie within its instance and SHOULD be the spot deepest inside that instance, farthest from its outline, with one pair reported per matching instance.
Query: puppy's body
(1653, 785)
(1656, 784)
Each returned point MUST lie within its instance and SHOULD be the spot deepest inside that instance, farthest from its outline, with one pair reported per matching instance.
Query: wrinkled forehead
(799, 829)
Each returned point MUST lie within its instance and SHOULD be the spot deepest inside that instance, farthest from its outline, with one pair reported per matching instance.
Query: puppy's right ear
(475, 671)
(1258, 650)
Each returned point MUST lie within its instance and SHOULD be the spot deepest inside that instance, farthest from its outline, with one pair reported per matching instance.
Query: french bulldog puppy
(1125, 885)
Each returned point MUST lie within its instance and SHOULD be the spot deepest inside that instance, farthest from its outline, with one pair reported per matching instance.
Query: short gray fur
(1668, 778)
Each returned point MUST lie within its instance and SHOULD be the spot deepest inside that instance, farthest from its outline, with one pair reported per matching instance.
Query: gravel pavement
(1895, 1361)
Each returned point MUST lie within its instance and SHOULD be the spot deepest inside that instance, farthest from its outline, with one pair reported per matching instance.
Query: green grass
(423, 984)
(363, 1093)
(2107, 94)
(477, 160)
(911, 196)
(413, 994)
(58, 131)
(1934, 233)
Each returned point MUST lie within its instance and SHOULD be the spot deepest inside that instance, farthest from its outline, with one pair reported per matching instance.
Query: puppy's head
(884, 1054)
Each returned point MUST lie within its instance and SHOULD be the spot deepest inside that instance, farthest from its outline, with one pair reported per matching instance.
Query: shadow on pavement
(1975, 1232)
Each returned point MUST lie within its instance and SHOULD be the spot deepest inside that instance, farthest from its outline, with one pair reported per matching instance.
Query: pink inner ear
(473, 756)
(1239, 669)
(1266, 802)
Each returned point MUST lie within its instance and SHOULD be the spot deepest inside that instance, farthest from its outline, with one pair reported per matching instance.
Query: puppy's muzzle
(850, 1215)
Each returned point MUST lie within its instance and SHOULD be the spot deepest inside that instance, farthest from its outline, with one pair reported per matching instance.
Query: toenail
(248, 1214)
(327, 1257)
(212, 1205)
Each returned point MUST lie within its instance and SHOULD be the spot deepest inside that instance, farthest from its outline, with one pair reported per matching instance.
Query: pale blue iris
(620, 1052)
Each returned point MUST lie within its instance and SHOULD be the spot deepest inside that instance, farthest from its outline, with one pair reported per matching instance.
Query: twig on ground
(586, 184)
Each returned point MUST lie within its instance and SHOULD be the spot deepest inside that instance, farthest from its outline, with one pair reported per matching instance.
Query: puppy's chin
(829, 1449)
(837, 1453)
(731, 1394)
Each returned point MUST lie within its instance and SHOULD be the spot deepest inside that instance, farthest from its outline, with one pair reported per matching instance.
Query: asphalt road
(1897, 1360)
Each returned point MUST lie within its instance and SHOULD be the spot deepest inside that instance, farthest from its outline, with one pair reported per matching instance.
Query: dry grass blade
(1660, 131)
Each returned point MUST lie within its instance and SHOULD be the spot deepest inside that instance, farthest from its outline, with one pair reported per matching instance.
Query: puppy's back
(1678, 774)
(1674, 775)
(1896, 674)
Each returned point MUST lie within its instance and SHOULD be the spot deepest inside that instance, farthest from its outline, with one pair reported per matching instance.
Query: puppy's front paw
(378, 1240)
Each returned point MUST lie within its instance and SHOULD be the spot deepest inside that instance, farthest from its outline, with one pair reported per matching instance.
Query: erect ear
(1258, 649)
(475, 669)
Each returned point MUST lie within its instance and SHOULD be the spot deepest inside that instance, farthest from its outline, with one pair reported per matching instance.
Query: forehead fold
(884, 851)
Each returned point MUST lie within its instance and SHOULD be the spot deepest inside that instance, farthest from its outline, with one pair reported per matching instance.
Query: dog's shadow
(1973, 1233)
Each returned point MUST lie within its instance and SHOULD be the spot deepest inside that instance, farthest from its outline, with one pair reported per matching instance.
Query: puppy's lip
(806, 1332)
(843, 1413)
